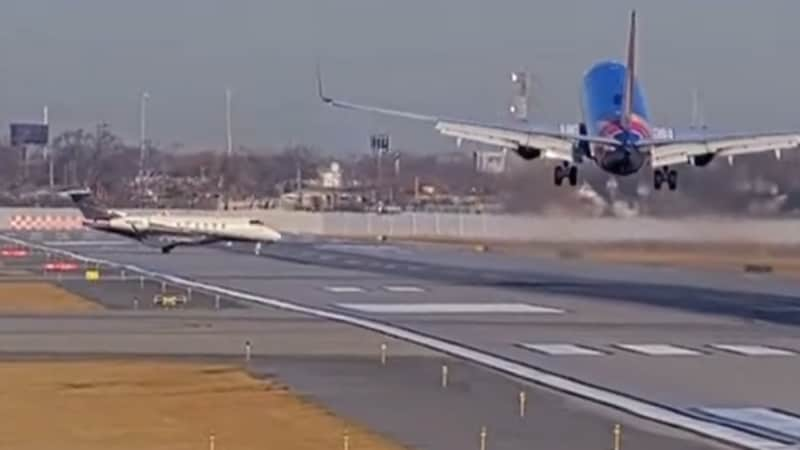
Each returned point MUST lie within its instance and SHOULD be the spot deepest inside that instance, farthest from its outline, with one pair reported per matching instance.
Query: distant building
(332, 177)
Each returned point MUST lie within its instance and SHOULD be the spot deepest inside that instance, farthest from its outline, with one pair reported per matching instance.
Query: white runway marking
(449, 308)
(753, 350)
(659, 349)
(646, 410)
(562, 349)
(763, 418)
(343, 289)
(404, 289)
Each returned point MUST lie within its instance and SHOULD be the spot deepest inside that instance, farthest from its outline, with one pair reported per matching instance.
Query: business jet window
(256, 222)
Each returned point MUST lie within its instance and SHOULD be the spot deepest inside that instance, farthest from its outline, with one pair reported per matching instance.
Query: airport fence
(487, 227)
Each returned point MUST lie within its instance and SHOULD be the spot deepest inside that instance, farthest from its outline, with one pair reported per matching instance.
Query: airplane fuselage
(230, 229)
(602, 98)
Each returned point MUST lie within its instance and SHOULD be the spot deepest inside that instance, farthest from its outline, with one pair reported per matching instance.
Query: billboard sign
(29, 134)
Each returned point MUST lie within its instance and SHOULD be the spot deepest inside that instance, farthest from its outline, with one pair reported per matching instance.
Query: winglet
(630, 74)
(320, 90)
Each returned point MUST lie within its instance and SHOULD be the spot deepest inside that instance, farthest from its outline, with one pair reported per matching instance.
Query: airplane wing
(666, 152)
(558, 145)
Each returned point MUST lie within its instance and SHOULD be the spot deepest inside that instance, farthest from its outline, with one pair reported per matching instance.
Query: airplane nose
(275, 235)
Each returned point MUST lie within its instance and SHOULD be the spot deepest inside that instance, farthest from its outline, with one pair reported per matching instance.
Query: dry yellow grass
(39, 297)
(100, 405)
(785, 260)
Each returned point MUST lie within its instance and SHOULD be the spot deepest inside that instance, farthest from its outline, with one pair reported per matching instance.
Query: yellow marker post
(383, 354)
(617, 437)
(212, 442)
(92, 275)
(346, 440)
(445, 375)
(483, 438)
(523, 400)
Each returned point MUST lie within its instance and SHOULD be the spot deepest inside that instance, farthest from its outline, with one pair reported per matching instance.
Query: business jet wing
(665, 152)
(170, 242)
(558, 145)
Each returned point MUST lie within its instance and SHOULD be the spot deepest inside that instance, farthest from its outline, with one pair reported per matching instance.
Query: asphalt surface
(597, 307)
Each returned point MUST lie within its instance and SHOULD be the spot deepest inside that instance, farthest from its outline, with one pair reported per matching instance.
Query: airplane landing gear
(167, 248)
(565, 171)
(665, 175)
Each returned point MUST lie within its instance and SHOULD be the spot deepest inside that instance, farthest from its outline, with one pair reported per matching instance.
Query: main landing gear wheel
(672, 180)
(573, 176)
(665, 176)
(565, 171)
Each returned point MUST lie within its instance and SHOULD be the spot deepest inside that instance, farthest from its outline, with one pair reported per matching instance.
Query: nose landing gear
(565, 171)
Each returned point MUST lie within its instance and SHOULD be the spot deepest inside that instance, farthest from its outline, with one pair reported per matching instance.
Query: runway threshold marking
(753, 350)
(659, 349)
(449, 308)
(562, 349)
(664, 414)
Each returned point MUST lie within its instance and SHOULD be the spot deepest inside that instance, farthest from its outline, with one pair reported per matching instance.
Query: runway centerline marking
(450, 308)
(343, 289)
(404, 289)
(558, 349)
(659, 349)
(643, 408)
(753, 350)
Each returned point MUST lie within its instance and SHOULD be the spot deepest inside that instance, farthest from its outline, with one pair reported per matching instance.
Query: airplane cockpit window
(256, 222)
(617, 99)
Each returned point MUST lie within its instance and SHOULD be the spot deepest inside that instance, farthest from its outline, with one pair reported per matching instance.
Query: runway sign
(61, 266)
(404, 289)
(343, 289)
(450, 308)
(753, 350)
(92, 275)
(659, 349)
(562, 349)
(14, 252)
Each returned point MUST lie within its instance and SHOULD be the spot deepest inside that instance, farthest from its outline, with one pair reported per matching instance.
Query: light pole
(229, 133)
(49, 151)
(143, 131)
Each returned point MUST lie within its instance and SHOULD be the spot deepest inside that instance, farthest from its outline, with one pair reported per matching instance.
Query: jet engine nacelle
(702, 160)
(135, 225)
(529, 153)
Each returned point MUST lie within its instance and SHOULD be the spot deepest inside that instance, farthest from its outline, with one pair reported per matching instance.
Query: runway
(709, 345)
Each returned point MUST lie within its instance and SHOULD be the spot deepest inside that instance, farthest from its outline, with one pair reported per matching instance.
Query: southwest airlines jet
(615, 133)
